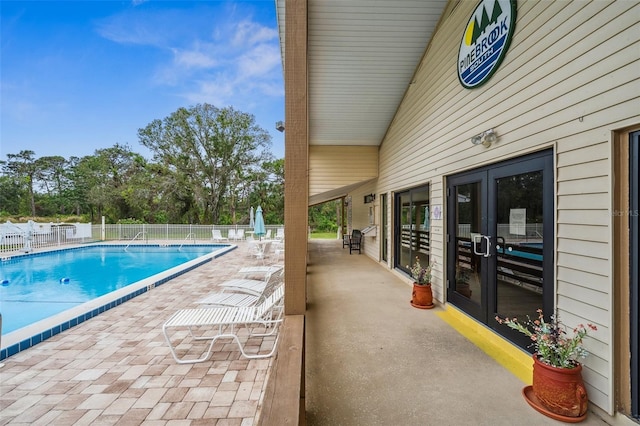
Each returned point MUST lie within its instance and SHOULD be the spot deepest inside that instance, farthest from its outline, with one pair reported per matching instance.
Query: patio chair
(278, 249)
(227, 324)
(260, 249)
(355, 241)
(217, 236)
(267, 236)
(240, 234)
(231, 234)
(280, 234)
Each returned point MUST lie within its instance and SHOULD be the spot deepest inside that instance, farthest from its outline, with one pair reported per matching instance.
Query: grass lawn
(324, 235)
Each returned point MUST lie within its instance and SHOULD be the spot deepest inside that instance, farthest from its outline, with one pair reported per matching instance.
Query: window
(412, 227)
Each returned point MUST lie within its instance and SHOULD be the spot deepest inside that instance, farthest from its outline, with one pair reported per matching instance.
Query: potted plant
(421, 297)
(558, 390)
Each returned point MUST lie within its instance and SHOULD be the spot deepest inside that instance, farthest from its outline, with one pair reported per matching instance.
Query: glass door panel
(384, 226)
(404, 234)
(469, 244)
(519, 245)
(412, 231)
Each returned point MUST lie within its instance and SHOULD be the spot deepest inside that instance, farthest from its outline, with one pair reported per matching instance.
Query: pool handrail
(134, 238)
(190, 234)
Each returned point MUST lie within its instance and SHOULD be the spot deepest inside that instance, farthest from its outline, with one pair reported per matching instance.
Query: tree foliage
(209, 165)
(216, 151)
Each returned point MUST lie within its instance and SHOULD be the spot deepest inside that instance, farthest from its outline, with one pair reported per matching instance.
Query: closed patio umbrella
(259, 228)
(252, 222)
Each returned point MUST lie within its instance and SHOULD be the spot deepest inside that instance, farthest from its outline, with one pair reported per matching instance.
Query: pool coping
(28, 336)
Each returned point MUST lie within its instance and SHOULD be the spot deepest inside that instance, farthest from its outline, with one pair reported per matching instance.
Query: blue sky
(77, 76)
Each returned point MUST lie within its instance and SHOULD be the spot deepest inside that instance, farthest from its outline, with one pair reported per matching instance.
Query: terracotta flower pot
(560, 390)
(422, 297)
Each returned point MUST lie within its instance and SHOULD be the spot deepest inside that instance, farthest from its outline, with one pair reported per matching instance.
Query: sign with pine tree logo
(485, 41)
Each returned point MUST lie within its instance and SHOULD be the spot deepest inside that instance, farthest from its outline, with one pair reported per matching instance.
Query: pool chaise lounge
(226, 323)
(260, 271)
(272, 277)
(242, 292)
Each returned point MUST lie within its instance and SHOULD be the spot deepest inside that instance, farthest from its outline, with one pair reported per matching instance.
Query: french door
(500, 241)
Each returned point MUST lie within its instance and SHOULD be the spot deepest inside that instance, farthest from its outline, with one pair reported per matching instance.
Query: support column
(296, 160)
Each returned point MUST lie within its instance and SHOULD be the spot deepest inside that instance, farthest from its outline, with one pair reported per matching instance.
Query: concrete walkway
(373, 359)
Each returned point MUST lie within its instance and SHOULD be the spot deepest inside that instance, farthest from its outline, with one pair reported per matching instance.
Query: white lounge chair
(280, 234)
(240, 234)
(253, 286)
(227, 323)
(260, 271)
(235, 295)
(217, 236)
(243, 285)
(231, 234)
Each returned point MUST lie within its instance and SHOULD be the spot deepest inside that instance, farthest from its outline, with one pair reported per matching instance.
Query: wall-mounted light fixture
(280, 126)
(485, 138)
(369, 198)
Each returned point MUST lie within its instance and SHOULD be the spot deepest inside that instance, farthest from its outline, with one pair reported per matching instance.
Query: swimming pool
(45, 293)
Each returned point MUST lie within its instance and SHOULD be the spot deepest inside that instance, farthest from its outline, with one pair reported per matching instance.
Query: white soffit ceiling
(362, 56)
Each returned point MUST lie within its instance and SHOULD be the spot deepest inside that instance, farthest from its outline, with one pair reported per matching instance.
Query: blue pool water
(38, 286)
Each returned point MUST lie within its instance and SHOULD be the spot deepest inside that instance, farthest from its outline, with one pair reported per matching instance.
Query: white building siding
(570, 79)
(335, 167)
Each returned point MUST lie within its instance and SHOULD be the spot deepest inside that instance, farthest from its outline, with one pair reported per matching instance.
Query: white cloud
(250, 33)
(212, 57)
(240, 68)
(193, 59)
(217, 92)
(260, 60)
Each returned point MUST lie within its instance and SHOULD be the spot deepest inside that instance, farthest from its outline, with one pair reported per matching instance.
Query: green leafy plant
(552, 343)
(421, 275)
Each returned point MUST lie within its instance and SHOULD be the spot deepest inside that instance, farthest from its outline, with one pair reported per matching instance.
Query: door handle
(488, 252)
(476, 238)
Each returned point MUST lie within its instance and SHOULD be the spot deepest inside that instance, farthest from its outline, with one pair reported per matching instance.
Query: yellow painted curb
(514, 359)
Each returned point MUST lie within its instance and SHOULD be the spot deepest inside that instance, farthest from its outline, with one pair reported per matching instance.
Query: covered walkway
(373, 359)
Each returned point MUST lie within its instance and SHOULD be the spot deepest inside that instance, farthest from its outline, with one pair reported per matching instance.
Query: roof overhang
(362, 55)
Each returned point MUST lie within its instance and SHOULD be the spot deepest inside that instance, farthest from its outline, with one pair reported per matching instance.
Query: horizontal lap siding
(568, 81)
(332, 167)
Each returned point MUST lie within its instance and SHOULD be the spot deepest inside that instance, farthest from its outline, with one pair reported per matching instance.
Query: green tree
(323, 217)
(104, 178)
(10, 195)
(213, 150)
(268, 191)
(22, 167)
(53, 179)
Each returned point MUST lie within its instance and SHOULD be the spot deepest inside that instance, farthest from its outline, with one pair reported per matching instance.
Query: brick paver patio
(116, 368)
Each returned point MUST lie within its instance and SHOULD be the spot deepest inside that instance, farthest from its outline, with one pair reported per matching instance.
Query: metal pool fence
(16, 238)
